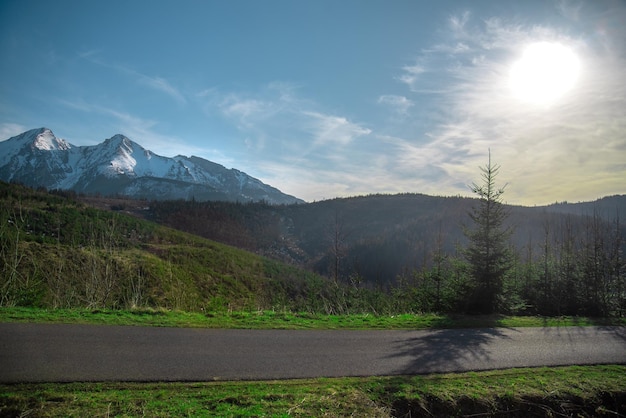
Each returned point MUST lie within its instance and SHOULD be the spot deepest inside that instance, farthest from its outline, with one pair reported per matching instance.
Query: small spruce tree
(487, 253)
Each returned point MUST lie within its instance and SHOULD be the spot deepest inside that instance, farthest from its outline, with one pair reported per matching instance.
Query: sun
(544, 73)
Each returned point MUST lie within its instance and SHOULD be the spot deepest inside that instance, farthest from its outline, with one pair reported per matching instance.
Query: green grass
(567, 391)
(283, 319)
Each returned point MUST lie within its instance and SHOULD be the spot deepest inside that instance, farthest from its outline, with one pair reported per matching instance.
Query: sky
(326, 98)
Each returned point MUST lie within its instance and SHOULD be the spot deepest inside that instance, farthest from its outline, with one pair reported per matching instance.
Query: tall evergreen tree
(488, 251)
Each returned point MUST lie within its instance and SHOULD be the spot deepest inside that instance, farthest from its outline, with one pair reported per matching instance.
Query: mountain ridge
(119, 165)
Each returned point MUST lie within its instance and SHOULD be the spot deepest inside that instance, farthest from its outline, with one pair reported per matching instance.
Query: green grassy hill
(57, 252)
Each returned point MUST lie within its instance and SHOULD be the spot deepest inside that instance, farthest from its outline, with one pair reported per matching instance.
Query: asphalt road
(60, 353)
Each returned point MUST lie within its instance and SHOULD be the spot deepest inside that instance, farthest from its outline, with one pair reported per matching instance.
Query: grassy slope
(562, 391)
(58, 253)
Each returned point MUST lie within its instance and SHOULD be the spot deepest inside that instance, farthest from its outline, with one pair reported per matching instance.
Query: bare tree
(100, 278)
(11, 256)
(618, 269)
(337, 236)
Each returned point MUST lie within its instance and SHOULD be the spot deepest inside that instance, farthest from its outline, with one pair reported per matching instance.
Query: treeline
(577, 269)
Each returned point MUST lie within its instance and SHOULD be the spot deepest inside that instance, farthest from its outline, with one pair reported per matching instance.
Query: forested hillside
(567, 259)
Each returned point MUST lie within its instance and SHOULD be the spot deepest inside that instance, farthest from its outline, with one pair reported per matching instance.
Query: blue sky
(332, 98)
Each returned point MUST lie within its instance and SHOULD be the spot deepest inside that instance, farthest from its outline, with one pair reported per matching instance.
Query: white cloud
(330, 129)
(248, 111)
(162, 85)
(411, 74)
(9, 130)
(459, 22)
(399, 104)
(570, 9)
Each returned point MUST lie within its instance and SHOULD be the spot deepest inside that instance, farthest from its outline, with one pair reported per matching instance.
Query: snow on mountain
(121, 166)
(46, 141)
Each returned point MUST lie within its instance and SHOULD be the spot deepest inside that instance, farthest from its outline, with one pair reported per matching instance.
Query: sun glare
(544, 73)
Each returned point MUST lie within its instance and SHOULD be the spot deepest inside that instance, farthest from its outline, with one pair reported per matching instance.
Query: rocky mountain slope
(37, 158)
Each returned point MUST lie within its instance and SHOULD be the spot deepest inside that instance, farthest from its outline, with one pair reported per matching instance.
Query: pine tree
(488, 252)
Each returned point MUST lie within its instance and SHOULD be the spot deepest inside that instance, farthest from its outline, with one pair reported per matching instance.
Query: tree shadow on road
(447, 350)
(617, 332)
(614, 326)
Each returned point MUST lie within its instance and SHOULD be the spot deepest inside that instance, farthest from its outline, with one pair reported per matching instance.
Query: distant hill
(607, 207)
(119, 166)
(379, 236)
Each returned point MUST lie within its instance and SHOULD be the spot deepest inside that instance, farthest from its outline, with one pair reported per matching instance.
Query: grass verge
(285, 319)
(561, 391)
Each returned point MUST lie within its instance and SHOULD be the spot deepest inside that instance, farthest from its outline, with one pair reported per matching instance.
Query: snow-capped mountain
(38, 158)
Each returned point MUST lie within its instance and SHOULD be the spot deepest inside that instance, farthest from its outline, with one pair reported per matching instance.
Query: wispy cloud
(570, 8)
(331, 129)
(155, 83)
(293, 143)
(162, 85)
(277, 112)
(411, 74)
(9, 130)
(563, 151)
(458, 23)
(399, 104)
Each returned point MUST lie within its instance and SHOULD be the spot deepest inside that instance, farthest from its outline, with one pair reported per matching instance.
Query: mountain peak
(119, 150)
(116, 138)
(41, 139)
(119, 140)
(46, 141)
(35, 132)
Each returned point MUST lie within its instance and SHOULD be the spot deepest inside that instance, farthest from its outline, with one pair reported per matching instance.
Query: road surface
(62, 353)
